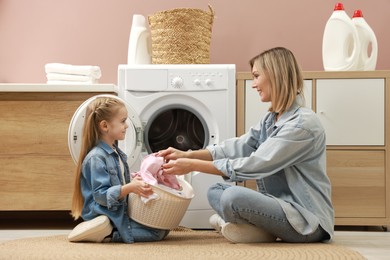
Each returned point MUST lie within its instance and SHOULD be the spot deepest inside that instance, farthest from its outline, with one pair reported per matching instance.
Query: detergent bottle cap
(357, 13)
(138, 20)
(338, 7)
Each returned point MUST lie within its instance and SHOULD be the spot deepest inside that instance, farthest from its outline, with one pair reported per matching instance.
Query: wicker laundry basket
(166, 212)
(181, 36)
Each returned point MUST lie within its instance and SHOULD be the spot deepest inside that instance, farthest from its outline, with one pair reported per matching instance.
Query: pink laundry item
(152, 173)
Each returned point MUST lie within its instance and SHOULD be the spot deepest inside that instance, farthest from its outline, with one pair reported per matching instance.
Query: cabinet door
(352, 110)
(37, 170)
(358, 183)
(255, 110)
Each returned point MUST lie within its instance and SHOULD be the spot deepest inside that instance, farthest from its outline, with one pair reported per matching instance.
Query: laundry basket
(166, 212)
(181, 36)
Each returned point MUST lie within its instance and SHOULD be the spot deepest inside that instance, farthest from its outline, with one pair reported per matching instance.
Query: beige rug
(180, 244)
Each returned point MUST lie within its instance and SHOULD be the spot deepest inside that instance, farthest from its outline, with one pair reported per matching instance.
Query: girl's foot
(94, 230)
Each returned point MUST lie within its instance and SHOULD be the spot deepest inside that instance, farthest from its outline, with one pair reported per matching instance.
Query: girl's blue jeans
(142, 233)
(238, 204)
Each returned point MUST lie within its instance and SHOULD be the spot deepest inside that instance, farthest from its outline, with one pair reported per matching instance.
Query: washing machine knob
(209, 82)
(197, 82)
(177, 82)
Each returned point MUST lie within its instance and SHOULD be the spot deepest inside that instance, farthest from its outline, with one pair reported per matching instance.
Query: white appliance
(185, 106)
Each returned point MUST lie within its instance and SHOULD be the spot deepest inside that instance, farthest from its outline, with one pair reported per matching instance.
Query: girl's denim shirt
(288, 160)
(101, 182)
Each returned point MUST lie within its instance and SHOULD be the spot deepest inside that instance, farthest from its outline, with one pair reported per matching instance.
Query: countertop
(43, 87)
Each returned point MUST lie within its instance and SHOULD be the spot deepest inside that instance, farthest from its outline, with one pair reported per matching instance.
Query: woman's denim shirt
(288, 160)
(101, 186)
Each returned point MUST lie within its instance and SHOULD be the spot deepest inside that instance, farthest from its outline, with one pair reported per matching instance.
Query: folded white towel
(64, 82)
(86, 70)
(67, 77)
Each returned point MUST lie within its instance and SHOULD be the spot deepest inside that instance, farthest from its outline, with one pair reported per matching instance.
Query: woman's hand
(171, 154)
(138, 186)
(180, 166)
(179, 162)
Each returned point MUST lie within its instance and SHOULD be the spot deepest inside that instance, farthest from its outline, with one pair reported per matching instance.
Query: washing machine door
(132, 144)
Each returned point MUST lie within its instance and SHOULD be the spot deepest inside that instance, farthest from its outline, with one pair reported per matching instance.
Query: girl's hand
(180, 166)
(138, 186)
(171, 154)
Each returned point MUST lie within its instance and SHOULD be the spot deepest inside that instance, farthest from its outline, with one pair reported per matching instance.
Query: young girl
(102, 180)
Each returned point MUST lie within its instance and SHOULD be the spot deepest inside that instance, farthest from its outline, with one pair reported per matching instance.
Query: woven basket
(166, 212)
(181, 36)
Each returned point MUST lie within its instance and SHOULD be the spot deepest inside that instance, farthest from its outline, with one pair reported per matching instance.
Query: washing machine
(186, 106)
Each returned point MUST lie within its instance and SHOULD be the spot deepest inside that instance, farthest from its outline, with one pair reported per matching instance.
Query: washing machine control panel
(187, 80)
(176, 77)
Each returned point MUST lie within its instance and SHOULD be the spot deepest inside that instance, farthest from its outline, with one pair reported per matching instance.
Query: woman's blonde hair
(285, 76)
(102, 108)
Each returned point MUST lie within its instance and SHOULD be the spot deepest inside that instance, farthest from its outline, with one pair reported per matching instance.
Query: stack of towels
(59, 73)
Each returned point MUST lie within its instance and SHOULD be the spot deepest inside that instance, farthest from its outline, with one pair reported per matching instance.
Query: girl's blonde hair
(102, 108)
(285, 76)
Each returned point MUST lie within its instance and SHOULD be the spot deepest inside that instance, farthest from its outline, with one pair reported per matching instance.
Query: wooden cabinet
(352, 111)
(37, 170)
(358, 182)
(355, 112)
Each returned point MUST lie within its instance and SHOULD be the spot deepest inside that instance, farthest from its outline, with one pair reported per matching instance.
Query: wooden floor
(372, 242)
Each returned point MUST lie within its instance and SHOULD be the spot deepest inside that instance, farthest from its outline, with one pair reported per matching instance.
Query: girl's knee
(163, 234)
(158, 235)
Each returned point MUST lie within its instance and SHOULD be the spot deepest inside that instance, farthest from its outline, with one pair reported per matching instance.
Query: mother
(285, 153)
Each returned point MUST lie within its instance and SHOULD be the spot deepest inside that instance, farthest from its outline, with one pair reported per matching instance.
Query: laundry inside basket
(183, 193)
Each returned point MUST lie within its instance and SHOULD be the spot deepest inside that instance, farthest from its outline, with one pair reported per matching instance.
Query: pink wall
(96, 32)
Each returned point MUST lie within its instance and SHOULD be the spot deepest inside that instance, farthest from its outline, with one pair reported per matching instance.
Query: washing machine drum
(178, 127)
(131, 145)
